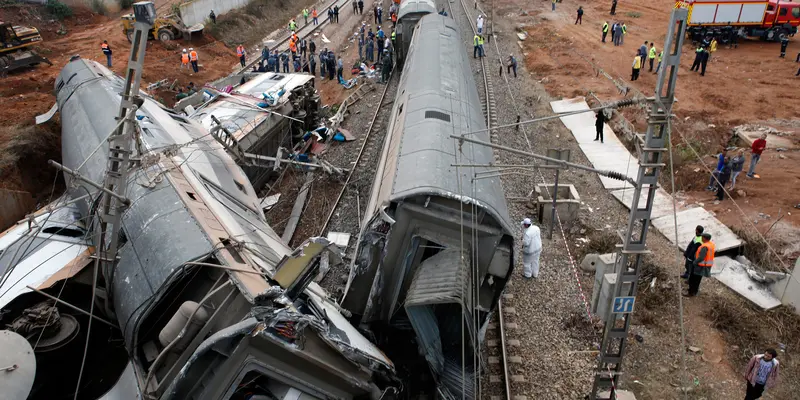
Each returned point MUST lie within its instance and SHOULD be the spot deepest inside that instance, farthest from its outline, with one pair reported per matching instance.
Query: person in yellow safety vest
(475, 44)
(241, 53)
(605, 31)
(637, 65)
(185, 59)
(292, 25)
(394, 36)
(193, 59)
(651, 56)
(658, 68)
(305, 15)
(713, 46)
(703, 261)
(624, 32)
(480, 46)
(554, 4)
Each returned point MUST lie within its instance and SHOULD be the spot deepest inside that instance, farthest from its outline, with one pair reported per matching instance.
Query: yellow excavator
(165, 28)
(14, 43)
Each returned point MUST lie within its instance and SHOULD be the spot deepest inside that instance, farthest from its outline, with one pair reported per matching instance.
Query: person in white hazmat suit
(531, 249)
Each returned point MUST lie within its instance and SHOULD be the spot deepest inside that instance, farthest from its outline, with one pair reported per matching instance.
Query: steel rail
(358, 158)
(489, 98)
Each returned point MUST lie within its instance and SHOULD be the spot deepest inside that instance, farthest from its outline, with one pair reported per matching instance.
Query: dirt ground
(749, 84)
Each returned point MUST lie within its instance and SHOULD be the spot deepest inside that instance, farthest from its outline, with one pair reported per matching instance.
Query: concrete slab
(733, 275)
(749, 133)
(721, 235)
(662, 204)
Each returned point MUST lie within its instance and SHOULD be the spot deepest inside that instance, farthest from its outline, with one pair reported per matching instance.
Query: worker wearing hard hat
(703, 261)
(185, 59)
(193, 59)
(531, 249)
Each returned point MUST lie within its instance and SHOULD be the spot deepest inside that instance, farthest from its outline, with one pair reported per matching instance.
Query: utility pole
(120, 143)
(651, 148)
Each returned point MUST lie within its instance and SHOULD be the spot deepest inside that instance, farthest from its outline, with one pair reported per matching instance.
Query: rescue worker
(193, 59)
(394, 38)
(624, 32)
(480, 46)
(704, 56)
(579, 20)
(213, 17)
(613, 33)
(394, 20)
(370, 49)
(331, 64)
(272, 62)
(305, 16)
(323, 62)
(185, 59)
(531, 249)
(107, 51)
(285, 62)
(637, 65)
(652, 55)
(312, 63)
(713, 45)
(292, 25)
(697, 55)
(660, 56)
(691, 250)
(475, 44)
(618, 35)
(605, 32)
(784, 43)
(600, 120)
(386, 68)
(293, 47)
(701, 267)
(314, 15)
(241, 53)
(512, 65)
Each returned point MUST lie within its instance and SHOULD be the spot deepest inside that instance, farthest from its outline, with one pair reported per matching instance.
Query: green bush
(126, 4)
(98, 6)
(58, 9)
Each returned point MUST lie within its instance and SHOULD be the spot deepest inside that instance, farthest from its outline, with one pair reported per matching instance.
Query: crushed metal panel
(442, 280)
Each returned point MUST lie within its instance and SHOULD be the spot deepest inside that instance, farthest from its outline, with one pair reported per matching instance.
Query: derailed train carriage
(436, 248)
(409, 14)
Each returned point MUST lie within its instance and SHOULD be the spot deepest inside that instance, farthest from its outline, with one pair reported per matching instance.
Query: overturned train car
(204, 300)
(436, 248)
(409, 14)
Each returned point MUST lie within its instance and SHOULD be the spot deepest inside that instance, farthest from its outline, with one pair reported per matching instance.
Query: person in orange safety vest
(193, 59)
(242, 54)
(701, 267)
(185, 59)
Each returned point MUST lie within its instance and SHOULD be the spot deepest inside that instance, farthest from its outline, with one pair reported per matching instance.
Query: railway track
(368, 155)
(499, 374)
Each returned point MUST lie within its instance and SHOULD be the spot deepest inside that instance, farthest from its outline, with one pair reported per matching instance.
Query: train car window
(783, 12)
(437, 115)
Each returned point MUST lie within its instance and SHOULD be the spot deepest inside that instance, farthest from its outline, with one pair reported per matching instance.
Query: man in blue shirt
(712, 183)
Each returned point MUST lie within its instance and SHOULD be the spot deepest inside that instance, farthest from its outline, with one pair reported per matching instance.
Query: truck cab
(782, 13)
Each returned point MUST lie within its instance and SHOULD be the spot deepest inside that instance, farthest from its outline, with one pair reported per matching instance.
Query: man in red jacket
(758, 147)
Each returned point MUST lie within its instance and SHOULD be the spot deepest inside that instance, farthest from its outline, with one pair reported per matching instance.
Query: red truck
(766, 19)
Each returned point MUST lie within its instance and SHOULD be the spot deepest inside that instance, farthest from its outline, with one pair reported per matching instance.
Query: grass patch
(633, 14)
(58, 9)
